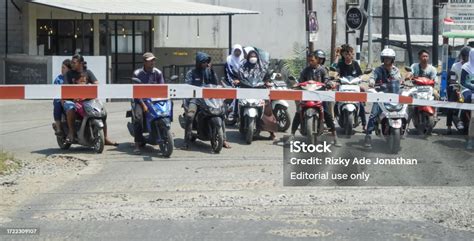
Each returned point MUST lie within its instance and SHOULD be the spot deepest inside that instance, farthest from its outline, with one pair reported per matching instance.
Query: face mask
(253, 60)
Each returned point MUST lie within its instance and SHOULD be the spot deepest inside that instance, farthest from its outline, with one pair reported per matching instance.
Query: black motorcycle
(208, 122)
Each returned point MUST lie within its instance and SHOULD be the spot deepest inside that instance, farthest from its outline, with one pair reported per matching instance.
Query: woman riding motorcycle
(254, 67)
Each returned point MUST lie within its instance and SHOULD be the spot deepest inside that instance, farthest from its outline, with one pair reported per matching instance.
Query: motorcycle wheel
(348, 123)
(250, 130)
(217, 141)
(429, 122)
(394, 140)
(99, 140)
(311, 130)
(229, 111)
(62, 142)
(167, 146)
(283, 118)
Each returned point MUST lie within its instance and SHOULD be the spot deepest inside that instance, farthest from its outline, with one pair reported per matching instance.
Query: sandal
(226, 145)
(137, 151)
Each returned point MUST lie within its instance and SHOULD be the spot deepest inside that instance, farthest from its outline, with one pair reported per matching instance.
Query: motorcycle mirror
(408, 69)
(136, 80)
(174, 78)
(368, 71)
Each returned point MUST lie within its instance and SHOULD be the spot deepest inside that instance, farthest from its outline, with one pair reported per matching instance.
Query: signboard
(20, 72)
(313, 26)
(355, 18)
(461, 12)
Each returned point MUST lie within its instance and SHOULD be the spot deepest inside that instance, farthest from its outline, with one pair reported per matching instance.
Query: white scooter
(280, 107)
(392, 122)
(347, 112)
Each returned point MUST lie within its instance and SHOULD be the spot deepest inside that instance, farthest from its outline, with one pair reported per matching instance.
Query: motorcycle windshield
(214, 103)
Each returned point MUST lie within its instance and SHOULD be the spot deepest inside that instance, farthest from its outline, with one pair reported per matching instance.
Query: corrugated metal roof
(142, 7)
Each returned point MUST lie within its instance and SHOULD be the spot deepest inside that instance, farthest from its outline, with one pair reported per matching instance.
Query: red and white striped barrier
(179, 91)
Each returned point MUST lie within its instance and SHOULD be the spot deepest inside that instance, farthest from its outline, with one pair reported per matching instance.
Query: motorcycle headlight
(393, 107)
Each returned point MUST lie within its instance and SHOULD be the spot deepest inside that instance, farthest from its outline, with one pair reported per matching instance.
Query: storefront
(120, 31)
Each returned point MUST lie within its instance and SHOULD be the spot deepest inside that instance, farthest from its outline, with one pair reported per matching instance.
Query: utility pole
(369, 32)
(385, 23)
(334, 30)
(435, 32)
(308, 9)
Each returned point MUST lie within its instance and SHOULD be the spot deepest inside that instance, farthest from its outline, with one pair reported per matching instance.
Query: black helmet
(321, 55)
(464, 52)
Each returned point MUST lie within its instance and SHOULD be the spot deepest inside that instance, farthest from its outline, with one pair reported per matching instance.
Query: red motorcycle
(424, 117)
(312, 113)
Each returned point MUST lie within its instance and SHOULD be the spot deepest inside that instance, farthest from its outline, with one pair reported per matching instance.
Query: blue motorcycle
(157, 124)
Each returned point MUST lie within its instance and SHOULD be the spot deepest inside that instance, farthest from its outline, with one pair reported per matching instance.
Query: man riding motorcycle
(453, 87)
(387, 77)
(349, 67)
(147, 75)
(467, 84)
(316, 72)
(201, 75)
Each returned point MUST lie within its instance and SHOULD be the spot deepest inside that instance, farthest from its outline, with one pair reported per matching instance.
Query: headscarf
(235, 62)
(469, 66)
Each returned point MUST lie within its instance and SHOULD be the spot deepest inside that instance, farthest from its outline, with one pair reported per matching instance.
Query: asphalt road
(235, 195)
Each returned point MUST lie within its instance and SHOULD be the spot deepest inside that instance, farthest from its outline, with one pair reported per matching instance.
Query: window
(64, 37)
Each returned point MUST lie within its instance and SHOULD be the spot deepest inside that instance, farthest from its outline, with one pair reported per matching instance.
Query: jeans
(57, 109)
(376, 111)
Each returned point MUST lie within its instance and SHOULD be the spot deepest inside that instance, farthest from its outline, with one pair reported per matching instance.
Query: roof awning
(459, 34)
(142, 7)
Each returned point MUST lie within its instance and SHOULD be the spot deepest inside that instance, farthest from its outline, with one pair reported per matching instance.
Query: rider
(254, 67)
(423, 69)
(71, 77)
(387, 77)
(57, 106)
(148, 74)
(349, 67)
(201, 75)
(451, 92)
(467, 85)
(316, 72)
(232, 66)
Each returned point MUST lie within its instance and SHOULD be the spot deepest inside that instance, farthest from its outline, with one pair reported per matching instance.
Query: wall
(280, 25)
(15, 28)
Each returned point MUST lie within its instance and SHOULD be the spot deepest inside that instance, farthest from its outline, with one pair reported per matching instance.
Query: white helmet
(387, 53)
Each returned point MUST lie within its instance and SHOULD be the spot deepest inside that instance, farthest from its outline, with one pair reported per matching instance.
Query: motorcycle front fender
(164, 122)
(349, 107)
(395, 123)
(310, 112)
(98, 123)
(428, 109)
(216, 121)
(283, 103)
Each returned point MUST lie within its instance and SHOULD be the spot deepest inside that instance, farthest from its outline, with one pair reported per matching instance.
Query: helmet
(320, 55)
(464, 52)
(387, 53)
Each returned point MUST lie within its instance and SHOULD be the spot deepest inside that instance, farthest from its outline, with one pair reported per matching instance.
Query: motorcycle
(280, 107)
(392, 122)
(89, 127)
(208, 121)
(312, 113)
(424, 117)
(347, 112)
(251, 111)
(157, 123)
